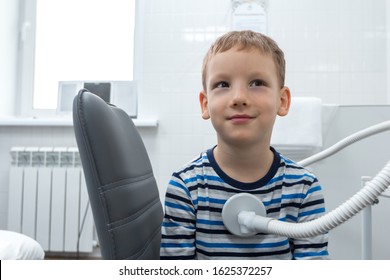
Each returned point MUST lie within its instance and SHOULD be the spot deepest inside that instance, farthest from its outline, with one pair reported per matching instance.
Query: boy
(243, 92)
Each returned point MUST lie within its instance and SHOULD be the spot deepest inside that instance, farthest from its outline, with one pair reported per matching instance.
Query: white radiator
(48, 199)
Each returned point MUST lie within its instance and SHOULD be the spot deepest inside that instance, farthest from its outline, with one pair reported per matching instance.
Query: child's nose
(240, 96)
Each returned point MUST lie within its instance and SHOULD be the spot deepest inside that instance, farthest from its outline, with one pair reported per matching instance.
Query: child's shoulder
(200, 161)
(293, 168)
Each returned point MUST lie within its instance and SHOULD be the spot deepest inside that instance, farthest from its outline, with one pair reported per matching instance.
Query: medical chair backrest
(121, 186)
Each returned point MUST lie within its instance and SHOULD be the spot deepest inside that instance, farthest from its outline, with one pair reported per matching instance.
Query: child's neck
(244, 164)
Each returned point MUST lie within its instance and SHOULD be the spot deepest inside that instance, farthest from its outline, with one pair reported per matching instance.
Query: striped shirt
(193, 228)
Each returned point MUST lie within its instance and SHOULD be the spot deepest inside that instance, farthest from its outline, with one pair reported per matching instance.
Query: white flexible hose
(366, 196)
(346, 142)
(347, 210)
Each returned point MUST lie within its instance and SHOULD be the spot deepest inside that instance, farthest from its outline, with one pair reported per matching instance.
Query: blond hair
(246, 40)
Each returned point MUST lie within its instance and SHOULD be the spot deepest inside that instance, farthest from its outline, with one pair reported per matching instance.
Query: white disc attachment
(236, 204)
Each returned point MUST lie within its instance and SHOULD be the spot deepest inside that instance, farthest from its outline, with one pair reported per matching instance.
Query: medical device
(245, 215)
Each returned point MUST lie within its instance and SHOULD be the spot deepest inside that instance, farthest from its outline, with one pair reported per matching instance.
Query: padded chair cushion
(121, 186)
(17, 246)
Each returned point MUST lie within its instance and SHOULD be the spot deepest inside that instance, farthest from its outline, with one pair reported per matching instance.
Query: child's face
(243, 96)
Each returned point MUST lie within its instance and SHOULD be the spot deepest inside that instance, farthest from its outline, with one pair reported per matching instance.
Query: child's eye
(257, 83)
(221, 85)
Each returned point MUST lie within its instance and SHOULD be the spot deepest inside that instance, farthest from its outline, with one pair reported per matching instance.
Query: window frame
(26, 58)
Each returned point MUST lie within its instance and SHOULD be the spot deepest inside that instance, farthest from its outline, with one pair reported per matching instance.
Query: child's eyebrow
(218, 77)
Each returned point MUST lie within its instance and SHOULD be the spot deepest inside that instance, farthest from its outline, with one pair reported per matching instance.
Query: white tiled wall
(335, 50)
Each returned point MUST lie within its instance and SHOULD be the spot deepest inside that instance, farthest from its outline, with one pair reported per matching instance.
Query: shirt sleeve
(312, 207)
(179, 223)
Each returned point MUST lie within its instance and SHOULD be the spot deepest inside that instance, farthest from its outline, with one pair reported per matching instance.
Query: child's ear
(285, 101)
(204, 105)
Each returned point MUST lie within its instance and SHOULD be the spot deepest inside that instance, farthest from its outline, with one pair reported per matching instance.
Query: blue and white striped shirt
(193, 229)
